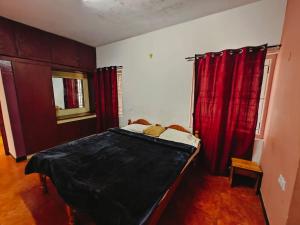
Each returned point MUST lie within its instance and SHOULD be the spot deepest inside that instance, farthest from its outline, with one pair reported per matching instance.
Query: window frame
(272, 55)
(120, 91)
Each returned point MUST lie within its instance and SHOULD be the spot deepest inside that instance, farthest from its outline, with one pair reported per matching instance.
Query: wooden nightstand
(246, 168)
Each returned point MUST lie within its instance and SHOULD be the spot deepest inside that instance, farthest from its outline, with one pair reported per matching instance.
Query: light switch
(282, 182)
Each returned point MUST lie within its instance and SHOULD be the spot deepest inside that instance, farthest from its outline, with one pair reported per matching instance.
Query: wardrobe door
(7, 38)
(87, 57)
(64, 51)
(37, 111)
(68, 131)
(33, 43)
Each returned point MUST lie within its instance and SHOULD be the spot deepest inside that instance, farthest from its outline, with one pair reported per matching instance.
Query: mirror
(68, 93)
(71, 93)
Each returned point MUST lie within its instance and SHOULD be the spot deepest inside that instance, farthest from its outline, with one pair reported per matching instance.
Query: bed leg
(71, 216)
(43, 180)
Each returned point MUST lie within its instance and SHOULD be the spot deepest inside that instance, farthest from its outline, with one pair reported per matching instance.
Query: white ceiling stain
(99, 22)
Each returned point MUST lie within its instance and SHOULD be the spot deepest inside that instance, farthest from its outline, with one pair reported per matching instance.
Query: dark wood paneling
(29, 91)
(76, 129)
(64, 51)
(52, 65)
(21, 159)
(87, 57)
(33, 43)
(92, 98)
(88, 127)
(19, 40)
(68, 131)
(35, 97)
(7, 38)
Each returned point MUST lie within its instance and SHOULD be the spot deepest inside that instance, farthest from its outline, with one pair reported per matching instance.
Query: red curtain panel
(106, 94)
(71, 93)
(226, 101)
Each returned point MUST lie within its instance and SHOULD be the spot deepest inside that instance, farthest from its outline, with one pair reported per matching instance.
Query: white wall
(159, 88)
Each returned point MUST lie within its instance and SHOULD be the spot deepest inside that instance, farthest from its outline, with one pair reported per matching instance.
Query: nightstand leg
(231, 176)
(258, 183)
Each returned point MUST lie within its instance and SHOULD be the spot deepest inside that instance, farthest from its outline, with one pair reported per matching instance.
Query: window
(269, 68)
(71, 93)
(265, 94)
(120, 94)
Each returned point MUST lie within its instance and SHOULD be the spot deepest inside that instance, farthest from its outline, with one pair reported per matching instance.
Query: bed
(117, 177)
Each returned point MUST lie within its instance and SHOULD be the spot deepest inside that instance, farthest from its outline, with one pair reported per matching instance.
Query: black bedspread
(117, 177)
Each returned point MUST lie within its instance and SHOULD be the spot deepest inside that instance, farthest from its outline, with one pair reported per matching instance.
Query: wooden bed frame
(157, 212)
(174, 126)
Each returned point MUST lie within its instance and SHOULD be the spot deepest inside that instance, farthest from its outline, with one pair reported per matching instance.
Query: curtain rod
(192, 58)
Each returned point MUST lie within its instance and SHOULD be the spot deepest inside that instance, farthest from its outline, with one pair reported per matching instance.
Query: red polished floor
(201, 199)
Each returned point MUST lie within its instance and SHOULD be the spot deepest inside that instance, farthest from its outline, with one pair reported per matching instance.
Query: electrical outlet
(282, 182)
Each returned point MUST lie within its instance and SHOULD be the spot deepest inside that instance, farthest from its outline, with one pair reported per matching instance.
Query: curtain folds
(70, 93)
(226, 101)
(106, 94)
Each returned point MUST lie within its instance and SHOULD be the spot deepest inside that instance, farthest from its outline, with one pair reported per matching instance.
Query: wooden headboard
(139, 121)
(173, 126)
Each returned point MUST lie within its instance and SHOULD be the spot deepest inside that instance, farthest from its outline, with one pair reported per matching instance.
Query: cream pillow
(154, 130)
(137, 128)
(179, 136)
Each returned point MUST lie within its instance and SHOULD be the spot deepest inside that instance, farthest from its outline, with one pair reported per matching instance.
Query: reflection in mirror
(68, 93)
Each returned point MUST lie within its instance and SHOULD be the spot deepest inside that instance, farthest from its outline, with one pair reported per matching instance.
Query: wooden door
(37, 111)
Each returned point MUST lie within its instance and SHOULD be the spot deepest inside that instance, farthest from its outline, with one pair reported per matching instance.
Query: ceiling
(99, 22)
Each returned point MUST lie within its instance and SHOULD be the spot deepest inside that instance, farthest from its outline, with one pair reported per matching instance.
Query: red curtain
(226, 100)
(71, 93)
(106, 94)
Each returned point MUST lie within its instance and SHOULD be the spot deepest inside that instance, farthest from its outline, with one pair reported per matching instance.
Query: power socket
(282, 182)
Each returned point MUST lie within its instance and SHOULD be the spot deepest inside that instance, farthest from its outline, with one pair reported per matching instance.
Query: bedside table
(246, 168)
